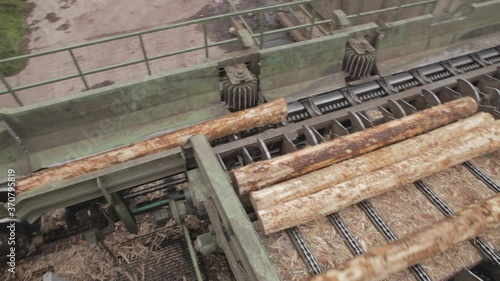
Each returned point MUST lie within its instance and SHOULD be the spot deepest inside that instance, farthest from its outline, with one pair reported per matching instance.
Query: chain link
(304, 250)
(481, 245)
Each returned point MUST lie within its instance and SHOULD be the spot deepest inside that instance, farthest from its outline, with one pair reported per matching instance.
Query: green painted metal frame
(393, 8)
(192, 253)
(146, 59)
(235, 233)
(138, 34)
(106, 183)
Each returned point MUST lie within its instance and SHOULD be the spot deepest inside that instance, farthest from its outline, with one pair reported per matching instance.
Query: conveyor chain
(481, 245)
(417, 270)
(342, 98)
(304, 250)
(482, 176)
(346, 234)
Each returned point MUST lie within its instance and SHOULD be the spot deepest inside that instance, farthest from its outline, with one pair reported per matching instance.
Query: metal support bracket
(235, 232)
(124, 213)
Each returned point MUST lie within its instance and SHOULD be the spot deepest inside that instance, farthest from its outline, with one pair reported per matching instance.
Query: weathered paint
(379, 263)
(437, 40)
(301, 61)
(235, 232)
(347, 193)
(322, 179)
(265, 173)
(269, 113)
(76, 126)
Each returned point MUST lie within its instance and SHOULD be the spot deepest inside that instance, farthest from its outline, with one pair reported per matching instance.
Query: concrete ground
(59, 23)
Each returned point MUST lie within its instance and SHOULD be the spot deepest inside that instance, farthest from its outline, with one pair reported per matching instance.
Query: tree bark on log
(379, 263)
(364, 164)
(265, 173)
(265, 114)
(337, 197)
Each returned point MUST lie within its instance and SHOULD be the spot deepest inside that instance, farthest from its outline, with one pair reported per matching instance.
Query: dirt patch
(217, 30)
(92, 19)
(102, 84)
(34, 22)
(65, 4)
(64, 26)
(216, 267)
(52, 17)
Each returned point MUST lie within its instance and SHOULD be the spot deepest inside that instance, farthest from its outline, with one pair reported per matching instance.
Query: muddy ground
(55, 24)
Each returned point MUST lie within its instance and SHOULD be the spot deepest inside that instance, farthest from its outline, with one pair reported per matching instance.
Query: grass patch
(12, 29)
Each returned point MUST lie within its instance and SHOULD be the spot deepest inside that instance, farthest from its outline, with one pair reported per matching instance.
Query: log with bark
(265, 114)
(367, 163)
(261, 174)
(379, 263)
(477, 142)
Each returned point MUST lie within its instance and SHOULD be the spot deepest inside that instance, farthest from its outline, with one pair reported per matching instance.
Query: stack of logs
(316, 181)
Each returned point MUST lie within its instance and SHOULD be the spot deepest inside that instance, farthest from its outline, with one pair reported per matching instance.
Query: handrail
(147, 59)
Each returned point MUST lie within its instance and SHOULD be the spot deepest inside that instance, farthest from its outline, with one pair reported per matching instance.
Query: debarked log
(319, 180)
(265, 114)
(265, 173)
(339, 196)
(379, 263)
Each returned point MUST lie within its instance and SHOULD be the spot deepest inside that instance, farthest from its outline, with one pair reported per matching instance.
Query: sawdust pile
(362, 228)
(216, 267)
(285, 258)
(80, 261)
(490, 164)
(326, 244)
(368, 236)
(459, 188)
(407, 210)
(54, 221)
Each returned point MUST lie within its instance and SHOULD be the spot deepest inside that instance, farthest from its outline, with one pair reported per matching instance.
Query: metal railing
(258, 37)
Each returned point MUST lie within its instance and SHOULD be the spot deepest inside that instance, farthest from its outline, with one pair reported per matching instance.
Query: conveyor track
(356, 94)
(483, 247)
(329, 115)
(481, 176)
(417, 270)
(304, 250)
(345, 233)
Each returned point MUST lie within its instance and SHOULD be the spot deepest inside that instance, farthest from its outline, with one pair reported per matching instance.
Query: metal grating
(170, 260)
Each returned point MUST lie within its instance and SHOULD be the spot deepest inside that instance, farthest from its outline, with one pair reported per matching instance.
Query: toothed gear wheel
(240, 89)
(359, 58)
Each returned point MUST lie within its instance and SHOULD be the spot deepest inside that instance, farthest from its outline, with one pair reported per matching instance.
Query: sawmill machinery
(350, 66)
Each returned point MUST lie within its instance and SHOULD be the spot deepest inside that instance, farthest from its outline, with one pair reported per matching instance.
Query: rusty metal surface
(261, 174)
(269, 113)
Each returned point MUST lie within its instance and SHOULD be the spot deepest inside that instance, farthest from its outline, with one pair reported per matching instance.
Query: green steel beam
(134, 34)
(9, 90)
(32, 204)
(145, 54)
(237, 228)
(151, 206)
(192, 253)
(123, 213)
(75, 61)
(399, 7)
